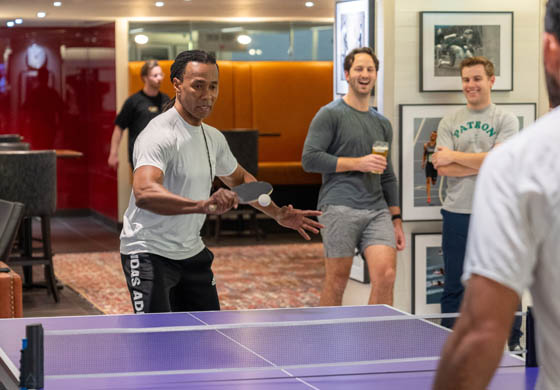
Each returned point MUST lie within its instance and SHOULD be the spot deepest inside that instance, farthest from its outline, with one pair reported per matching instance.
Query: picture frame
(446, 38)
(427, 273)
(416, 123)
(353, 27)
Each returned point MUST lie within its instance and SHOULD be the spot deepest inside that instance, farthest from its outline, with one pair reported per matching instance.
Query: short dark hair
(349, 59)
(183, 58)
(552, 18)
(478, 60)
(148, 65)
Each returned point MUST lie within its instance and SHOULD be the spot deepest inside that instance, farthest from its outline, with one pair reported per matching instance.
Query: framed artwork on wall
(353, 28)
(427, 273)
(421, 196)
(446, 38)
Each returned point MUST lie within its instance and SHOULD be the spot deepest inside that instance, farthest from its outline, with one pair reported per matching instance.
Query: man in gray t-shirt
(359, 196)
(464, 139)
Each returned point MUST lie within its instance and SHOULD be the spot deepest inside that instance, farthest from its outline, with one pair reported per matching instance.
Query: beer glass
(381, 148)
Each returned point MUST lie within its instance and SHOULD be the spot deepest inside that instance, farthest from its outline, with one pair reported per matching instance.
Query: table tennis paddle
(249, 192)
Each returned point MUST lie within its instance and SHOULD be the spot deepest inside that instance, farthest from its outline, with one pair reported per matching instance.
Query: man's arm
(398, 228)
(151, 195)
(473, 351)
(445, 156)
(113, 159)
(456, 170)
(367, 163)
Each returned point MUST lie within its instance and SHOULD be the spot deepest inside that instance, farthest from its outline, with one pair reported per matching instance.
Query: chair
(11, 214)
(14, 146)
(10, 138)
(244, 144)
(29, 177)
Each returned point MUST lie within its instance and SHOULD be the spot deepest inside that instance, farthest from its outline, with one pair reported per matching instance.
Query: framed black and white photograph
(422, 190)
(446, 38)
(353, 28)
(427, 273)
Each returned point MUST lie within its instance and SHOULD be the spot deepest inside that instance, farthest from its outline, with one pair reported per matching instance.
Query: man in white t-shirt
(176, 157)
(513, 245)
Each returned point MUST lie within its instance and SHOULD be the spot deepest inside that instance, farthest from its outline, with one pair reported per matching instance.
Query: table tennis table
(312, 354)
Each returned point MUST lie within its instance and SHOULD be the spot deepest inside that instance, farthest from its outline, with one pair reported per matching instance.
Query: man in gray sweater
(359, 204)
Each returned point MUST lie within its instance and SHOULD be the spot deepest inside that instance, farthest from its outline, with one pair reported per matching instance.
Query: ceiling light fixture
(309, 4)
(57, 4)
(141, 39)
(41, 14)
(160, 3)
(10, 23)
(19, 21)
(244, 39)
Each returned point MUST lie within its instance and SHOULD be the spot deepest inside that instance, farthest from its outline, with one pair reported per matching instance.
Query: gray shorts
(347, 228)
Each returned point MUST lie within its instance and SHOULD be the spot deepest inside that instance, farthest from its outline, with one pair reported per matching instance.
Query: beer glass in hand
(381, 148)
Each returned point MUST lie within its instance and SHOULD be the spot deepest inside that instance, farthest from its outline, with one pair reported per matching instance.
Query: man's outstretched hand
(299, 220)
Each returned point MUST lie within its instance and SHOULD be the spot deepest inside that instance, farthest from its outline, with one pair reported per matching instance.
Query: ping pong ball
(264, 200)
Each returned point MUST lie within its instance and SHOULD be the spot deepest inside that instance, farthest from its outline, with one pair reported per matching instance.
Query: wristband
(396, 216)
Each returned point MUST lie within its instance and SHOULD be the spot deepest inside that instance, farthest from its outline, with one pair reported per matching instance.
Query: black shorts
(431, 171)
(158, 284)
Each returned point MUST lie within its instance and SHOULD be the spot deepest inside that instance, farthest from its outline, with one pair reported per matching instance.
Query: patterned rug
(248, 277)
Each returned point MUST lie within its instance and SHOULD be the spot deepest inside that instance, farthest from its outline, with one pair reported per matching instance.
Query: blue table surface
(145, 355)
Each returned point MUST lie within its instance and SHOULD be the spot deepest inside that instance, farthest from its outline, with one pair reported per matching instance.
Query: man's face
(154, 77)
(362, 75)
(477, 86)
(198, 91)
(433, 136)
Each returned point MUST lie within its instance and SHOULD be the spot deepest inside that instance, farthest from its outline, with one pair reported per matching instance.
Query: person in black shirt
(138, 110)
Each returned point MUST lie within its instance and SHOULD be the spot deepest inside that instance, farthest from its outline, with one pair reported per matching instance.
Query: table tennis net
(237, 348)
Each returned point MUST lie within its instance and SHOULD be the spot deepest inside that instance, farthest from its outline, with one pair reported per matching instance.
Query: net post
(531, 359)
(31, 363)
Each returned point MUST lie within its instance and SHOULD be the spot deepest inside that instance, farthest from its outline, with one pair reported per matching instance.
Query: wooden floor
(88, 234)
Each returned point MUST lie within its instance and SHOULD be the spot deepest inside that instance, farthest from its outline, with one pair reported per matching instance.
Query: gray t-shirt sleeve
(153, 147)
(320, 135)
(389, 183)
(444, 135)
(509, 126)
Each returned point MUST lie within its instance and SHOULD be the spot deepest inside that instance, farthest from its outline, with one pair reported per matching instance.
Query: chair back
(14, 146)
(29, 177)
(11, 214)
(244, 144)
(10, 138)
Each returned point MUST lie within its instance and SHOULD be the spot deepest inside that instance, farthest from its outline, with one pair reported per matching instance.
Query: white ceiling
(218, 10)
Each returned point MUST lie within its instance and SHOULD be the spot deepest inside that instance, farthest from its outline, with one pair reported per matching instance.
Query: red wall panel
(57, 89)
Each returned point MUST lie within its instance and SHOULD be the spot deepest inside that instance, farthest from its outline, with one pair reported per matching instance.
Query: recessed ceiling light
(57, 4)
(309, 4)
(188, 0)
(10, 23)
(19, 21)
(160, 3)
(252, 52)
(244, 39)
(41, 14)
(259, 52)
(141, 39)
